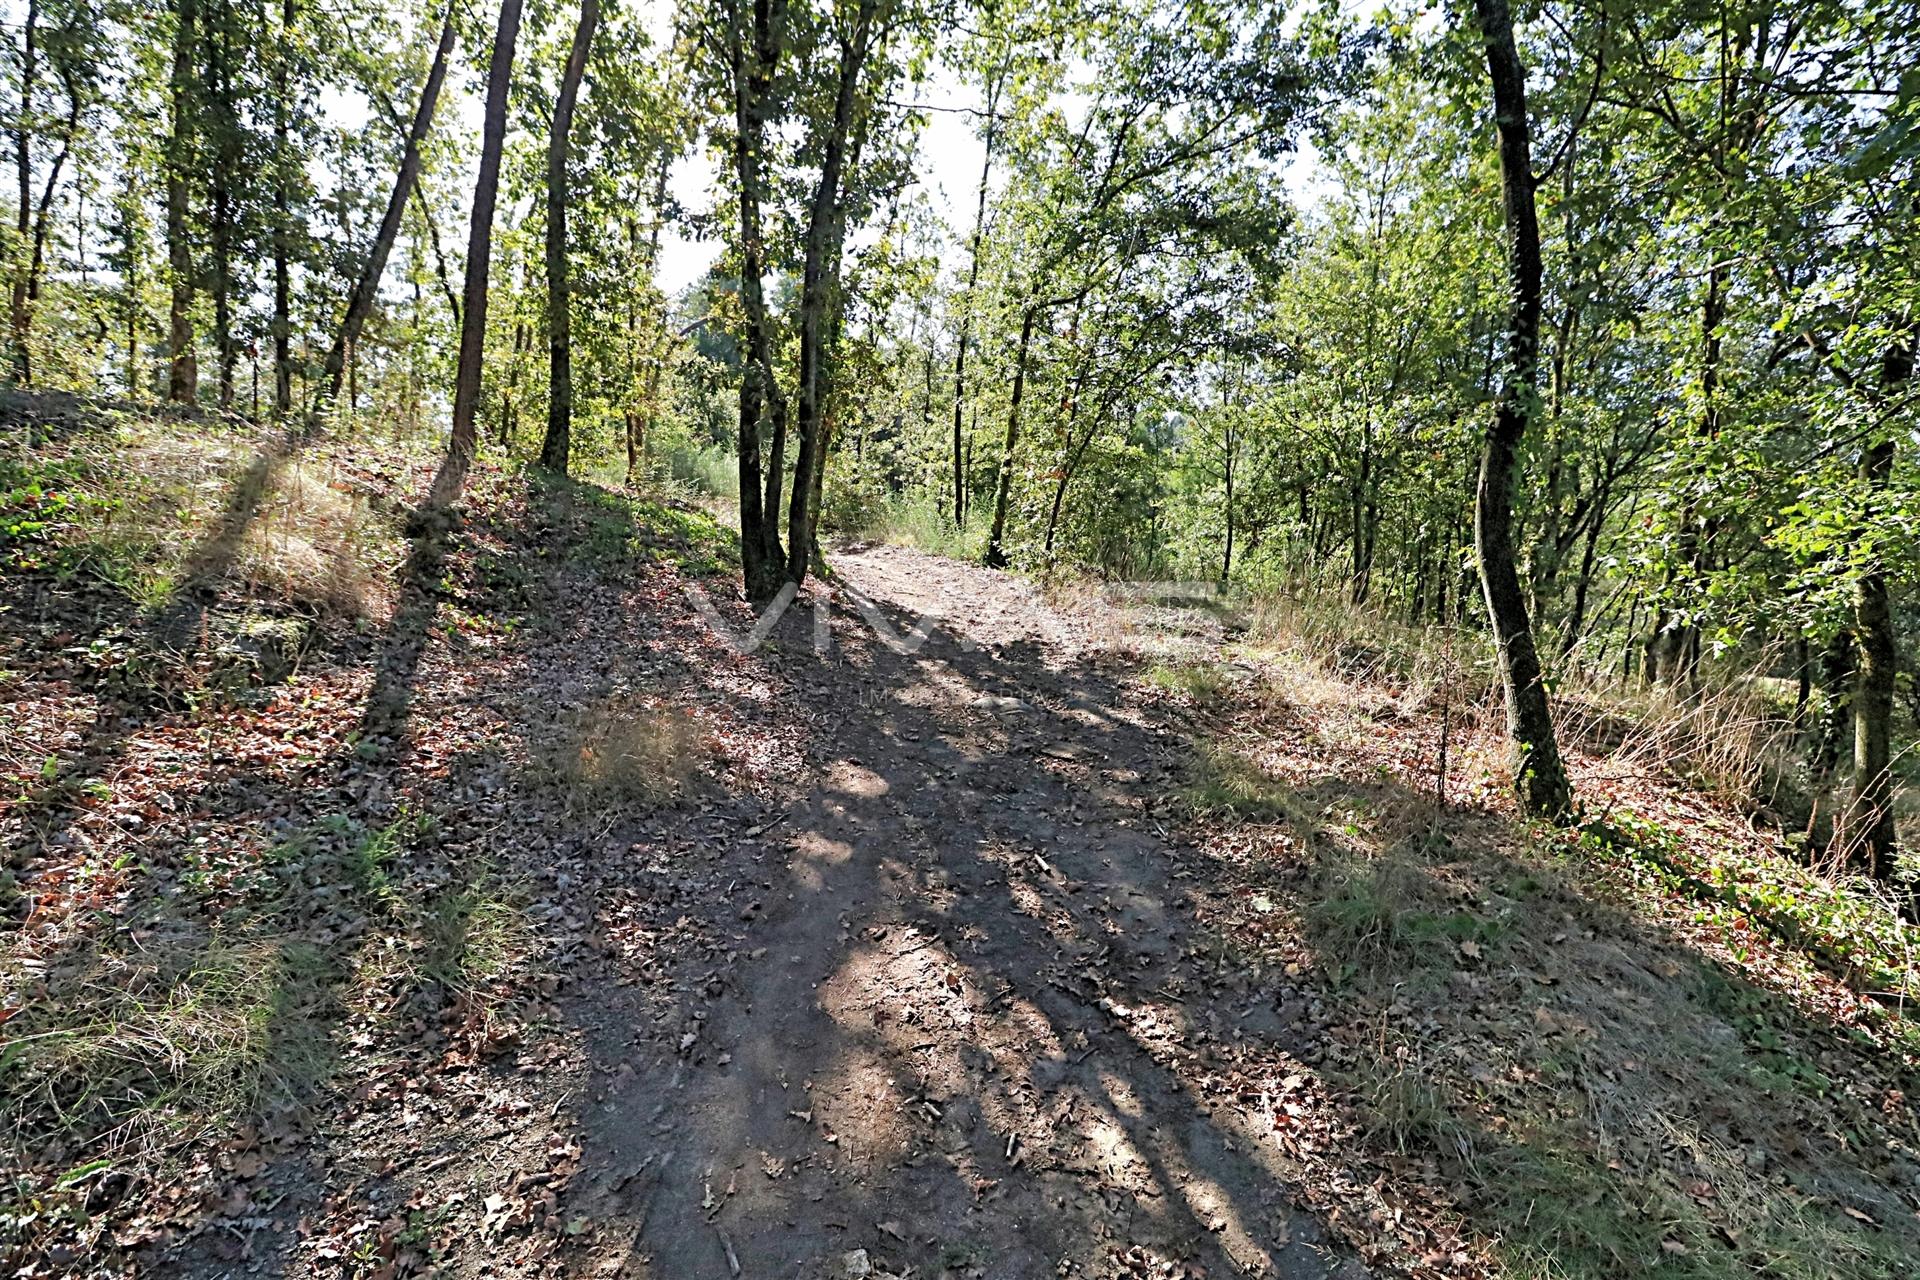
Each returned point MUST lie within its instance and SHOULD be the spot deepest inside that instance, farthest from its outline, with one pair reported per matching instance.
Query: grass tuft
(1205, 684)
(628, 754)
(168, 1049)
(1223, 781)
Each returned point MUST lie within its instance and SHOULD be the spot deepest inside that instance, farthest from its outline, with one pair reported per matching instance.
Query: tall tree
(556, 448)
(183, 373)
(286, 167)
(63, 48)
(1867, 832)
(1540, 778)
(367, 287)
(463, 442)
(751, 45)
(996, 81)
(222, 127)
(23, 164)
(819, 279)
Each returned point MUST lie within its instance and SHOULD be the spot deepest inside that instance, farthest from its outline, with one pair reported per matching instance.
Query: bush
(707, 469)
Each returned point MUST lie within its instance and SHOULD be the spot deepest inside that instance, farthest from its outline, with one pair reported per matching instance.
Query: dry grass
(153, 507)
(239, 1000)
(1361, 646)
(1725, 739)
(318, 543)
(1204, 684)
(638, 754)
(160, 1045)
(1611, 1075)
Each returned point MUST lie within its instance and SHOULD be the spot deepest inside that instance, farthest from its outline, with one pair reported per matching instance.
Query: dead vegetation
(219, 920)
(628, 752)
(1618, 1053)
(157, 508)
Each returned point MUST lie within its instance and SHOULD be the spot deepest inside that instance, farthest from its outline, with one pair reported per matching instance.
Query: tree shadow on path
(967, 1030)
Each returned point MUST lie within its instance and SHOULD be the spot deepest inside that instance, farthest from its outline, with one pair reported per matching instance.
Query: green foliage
(1848, 929)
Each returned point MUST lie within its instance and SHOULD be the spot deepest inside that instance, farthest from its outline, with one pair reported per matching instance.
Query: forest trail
(939, 928)
(973, 1033)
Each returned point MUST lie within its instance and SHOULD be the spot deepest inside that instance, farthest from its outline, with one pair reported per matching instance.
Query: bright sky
(949, 153)
(948, 162)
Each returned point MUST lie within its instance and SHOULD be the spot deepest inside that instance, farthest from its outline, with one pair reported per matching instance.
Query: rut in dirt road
(970, 1034)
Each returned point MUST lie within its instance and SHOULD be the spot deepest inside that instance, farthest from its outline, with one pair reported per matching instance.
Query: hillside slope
(477, 907)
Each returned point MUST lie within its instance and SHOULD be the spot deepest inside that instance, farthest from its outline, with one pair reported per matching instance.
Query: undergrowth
(1513, 1016)
(1850, 929)
(231, 997)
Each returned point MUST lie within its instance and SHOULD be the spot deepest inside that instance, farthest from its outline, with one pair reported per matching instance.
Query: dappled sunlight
(813, 855)
(856, 780)
(967, 958)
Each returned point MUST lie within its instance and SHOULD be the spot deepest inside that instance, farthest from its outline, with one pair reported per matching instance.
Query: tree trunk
(1867, 833)
(825, 233)
(425, 211)
(284, 162)
(23, 159)
(131, 242)
(996, 554)
(966, 306)
(367, 287)
(1837, 684)
(225, 125)
(1226, 475)
(556, 449)
(753, 66)
(462, 443)
(1069, 468)
(43, 217)
(1583, 585)
(649, 407)
(183, 373)
(1540, 779)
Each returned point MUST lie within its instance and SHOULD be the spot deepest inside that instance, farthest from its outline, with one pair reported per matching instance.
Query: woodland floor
(1080, 939)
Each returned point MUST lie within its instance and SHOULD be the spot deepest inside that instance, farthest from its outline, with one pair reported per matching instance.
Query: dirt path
(515, 923)
(969, 1030)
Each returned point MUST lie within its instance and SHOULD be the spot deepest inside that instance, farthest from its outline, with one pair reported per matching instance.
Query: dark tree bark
(753, 61)
(425, 211)
(367, 287)
(43, 220)
(225, 126)
(183, 373)
(23, 162)
(1540, 779)
(284, 163)
(825, 235)
(1076, 450)
(463, 443)
(1867, 833)
(556, 449)
(1823, 760)
(1836, 682)
(1227, 468)
(130, 246)
(510, 392)
(996, 554)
